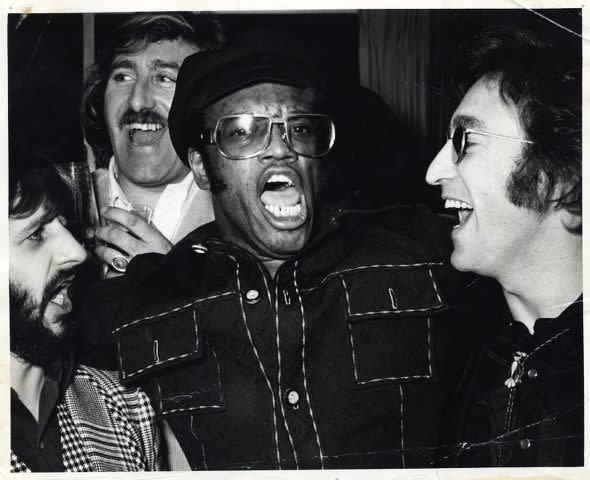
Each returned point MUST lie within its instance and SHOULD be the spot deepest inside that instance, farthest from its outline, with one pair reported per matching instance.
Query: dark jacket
(538, 418)
(342, 360)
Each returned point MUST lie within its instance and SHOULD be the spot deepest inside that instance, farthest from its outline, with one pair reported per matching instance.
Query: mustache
(59, 278)
(143, 116)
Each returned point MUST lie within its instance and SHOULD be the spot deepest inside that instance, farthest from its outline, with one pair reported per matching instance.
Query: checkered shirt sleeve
(116, 433)
(104, 427)
(16, 465)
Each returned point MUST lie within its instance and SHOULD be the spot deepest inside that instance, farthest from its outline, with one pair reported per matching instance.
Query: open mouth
(143, 134)
(283, 200)
(463, 210)
(60, 297)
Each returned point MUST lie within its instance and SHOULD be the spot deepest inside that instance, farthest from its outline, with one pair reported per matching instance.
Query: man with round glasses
(512, 169)
(264, 339)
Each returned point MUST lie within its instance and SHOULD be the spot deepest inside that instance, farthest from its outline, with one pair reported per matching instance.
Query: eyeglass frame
(466, 131)
(208, 136)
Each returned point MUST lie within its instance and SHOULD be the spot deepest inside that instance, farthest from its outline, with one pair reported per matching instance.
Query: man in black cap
(264, 341)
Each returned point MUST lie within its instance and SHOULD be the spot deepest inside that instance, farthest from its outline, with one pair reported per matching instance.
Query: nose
(69, 252)
(278, 148)
(442, 167)
(141, 95)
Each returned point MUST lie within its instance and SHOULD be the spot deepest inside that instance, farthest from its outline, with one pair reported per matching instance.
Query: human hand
(128, 234)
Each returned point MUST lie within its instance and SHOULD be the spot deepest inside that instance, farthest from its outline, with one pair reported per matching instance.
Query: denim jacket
(522, 398)
(342, 360)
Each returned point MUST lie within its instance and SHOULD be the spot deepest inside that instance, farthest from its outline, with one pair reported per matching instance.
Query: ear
(195, 161)
(571, 221)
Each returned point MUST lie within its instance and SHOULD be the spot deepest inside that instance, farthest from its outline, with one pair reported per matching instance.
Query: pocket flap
(156, 342)
(393, 290)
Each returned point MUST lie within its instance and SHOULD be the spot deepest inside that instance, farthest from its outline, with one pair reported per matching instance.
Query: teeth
(280, 179)
(451, 203)
(59, 299)
(284, 211)
(146, 127)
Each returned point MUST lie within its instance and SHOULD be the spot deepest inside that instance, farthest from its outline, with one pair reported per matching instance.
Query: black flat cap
(256, 57)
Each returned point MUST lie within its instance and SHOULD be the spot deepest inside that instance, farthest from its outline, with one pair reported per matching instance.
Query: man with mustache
(268, 341)
(125, 121)
(512, 168)
(64, 416)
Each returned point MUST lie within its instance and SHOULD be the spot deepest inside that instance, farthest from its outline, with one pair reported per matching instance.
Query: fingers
(122, 240)
(106, 253)
(128, 220)
(131, 234)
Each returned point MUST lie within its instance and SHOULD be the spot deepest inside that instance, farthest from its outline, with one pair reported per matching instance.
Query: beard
(30, 339)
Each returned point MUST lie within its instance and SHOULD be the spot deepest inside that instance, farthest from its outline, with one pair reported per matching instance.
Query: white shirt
(181, 208)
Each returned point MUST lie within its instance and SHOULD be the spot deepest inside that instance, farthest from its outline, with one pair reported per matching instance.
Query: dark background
(379, 157)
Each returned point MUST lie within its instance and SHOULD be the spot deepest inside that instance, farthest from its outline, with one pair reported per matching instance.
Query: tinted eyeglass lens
(458, 143)
(242, 136)
(310, 135)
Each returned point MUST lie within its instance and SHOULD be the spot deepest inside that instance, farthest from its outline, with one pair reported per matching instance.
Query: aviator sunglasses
(238, 137)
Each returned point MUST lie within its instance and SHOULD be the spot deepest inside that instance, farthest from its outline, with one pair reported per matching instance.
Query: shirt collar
(114, 187)
(546, 328)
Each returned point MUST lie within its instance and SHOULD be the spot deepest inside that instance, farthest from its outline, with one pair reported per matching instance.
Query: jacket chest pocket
(388, 312)
(170, 352)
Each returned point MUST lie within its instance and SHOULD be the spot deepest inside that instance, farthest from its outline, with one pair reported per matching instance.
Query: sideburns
(527, 187)
(217, 184)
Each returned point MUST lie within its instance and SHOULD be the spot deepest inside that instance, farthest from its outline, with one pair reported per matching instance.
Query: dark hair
(201, 30)
(542, 79)
(32, 188)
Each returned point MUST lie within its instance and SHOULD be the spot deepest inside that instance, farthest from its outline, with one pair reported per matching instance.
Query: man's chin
(282, 244)
(32, 337)
(41, 349)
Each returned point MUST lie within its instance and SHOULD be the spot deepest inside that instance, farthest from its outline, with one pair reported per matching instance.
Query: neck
(545, 286)
(229, 233)
(27, 381)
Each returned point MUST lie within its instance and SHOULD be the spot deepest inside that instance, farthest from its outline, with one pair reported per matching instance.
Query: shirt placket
(297, 402)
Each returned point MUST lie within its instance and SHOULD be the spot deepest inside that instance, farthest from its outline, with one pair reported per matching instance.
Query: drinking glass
(139, 209)
(84, 217)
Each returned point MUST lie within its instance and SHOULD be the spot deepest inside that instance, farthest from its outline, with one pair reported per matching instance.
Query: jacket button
(292, 397)
(252, 296)
(199, 248)
(533, 373)
(525, 443)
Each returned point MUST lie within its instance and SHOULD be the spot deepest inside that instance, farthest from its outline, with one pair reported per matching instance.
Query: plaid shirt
(104, 426)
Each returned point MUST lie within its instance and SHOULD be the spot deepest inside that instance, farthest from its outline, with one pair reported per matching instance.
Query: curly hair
(542, 79)
(199, 29)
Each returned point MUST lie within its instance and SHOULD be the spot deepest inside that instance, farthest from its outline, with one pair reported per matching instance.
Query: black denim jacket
(537, 419)
(342, 360)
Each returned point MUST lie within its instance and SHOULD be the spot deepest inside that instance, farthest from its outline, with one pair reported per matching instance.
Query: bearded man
(64, 416)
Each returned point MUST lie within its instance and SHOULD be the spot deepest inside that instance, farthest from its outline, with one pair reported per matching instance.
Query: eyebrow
(171, 65)
(44, 214)
(123, 63)
(154, 64)
(467, 121)
(40, 221)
